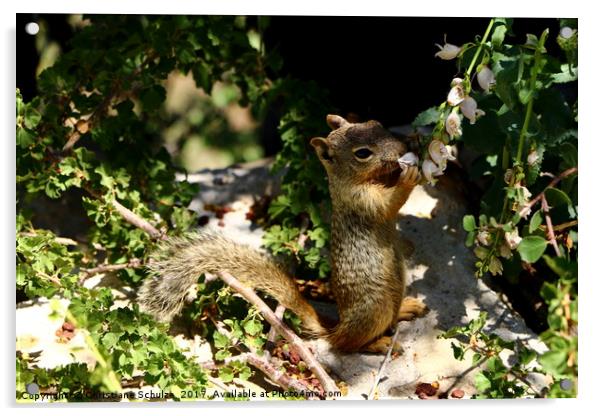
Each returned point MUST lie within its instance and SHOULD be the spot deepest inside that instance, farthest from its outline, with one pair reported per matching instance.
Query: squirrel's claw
(410, 176)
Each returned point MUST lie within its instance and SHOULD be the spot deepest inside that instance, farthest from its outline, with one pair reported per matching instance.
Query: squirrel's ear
(335, 121)
(322, 148)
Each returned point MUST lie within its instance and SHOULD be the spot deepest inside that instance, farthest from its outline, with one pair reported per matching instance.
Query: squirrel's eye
(363, 153)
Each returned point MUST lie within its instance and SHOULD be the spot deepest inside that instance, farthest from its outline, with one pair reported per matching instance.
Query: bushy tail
(179, 262)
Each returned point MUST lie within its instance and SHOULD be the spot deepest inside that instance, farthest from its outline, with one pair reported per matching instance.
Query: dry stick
(546, 212)
(112, 267)
(61, 240)
(137, 221)
(290, 336)
(217, 383)
(569, 224)
(384, 363)
(279, 312)
(552, 184)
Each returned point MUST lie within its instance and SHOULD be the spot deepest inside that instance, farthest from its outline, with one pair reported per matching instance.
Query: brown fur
(368, 275)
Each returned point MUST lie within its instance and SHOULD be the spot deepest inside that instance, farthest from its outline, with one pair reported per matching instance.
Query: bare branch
(134, 263)
(61, 240)
(525, 210)
(290, 336)
(551, 236)
(137, 221)
(384, 364)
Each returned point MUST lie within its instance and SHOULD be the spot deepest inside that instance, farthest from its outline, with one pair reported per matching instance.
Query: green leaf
(220, 340)
(152, 97)
(556, 197)
(253, 327)
(32, 117)
(481, 382)
(535, 222)
(226, 374)
(566, 75)
(429, 116)
(468, 222)
(499, 33)
(24, 137)
(470, 237)
(531, 248)
(564, 268)
(554, 362)
(458, 351)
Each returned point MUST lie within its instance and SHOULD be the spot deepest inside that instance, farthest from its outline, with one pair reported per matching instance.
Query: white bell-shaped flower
(456, 94)
(470, 110)
(430, 169)
(440, 153)
(453, 124)
(448, 51)
(485, 78)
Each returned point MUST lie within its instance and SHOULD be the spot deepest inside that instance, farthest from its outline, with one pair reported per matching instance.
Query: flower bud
(485, 78)
(484, 237)
(566, 32)
(470, 110)
(513, 239)
(452, 125)
(447, 51)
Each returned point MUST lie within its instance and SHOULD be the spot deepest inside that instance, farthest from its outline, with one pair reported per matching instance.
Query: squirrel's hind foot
(411, 308)
(382, 345)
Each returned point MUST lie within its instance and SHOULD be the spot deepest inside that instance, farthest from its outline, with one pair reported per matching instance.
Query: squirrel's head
(357, 153)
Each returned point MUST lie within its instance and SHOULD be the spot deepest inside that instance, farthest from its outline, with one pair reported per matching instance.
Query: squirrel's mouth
(388, 174)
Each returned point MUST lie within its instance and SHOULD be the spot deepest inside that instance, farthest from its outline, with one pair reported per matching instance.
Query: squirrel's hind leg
(382, 345)
(411, 308)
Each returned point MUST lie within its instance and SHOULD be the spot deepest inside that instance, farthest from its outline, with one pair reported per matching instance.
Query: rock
(457, 393)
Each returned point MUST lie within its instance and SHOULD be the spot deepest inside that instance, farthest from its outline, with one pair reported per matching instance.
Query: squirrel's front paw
(410, 176)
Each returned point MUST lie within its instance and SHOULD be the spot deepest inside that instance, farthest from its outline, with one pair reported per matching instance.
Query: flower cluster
(459, 100)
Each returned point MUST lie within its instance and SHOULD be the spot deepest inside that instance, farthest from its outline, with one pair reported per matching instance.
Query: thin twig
(551, 236)
(217, 383)
(525, 210)
(137, 221)
(383, 364)
(315, 367)
(279, 312)
(61, 240)
(132, 264)
(130, 216)
(568, 224)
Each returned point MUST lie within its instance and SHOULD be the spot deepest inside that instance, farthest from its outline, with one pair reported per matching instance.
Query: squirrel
(368, 187)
